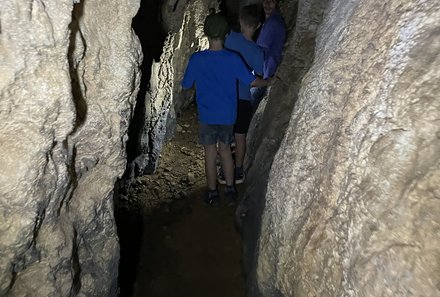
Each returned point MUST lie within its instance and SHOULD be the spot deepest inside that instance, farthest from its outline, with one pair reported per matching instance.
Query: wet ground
(172, 244)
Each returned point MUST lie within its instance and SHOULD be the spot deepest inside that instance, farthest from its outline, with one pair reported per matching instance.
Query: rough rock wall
(68, 78)
(271, 120)
(352, 202)
(164, 99)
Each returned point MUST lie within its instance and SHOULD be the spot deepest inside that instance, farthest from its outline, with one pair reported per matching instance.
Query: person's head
(250, 16)
(216, 26)
(269, 7)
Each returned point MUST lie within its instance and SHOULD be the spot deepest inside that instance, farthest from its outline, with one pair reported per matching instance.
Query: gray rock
(191, 178)
(165, 99)
(68, 80)
(352, 203)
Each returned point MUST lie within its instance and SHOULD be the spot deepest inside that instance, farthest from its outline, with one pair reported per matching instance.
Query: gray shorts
(211, 134)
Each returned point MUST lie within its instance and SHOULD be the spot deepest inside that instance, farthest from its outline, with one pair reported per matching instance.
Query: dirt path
(176, 245)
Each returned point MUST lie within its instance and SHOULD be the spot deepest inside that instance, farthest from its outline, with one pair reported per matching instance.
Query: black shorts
(244, 116)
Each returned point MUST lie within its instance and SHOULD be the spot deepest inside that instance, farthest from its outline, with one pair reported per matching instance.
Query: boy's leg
(224, 147)
(227, 162)
(241, 127)
(228, 169)
(210, 166)
(208, 138)
(225, 138)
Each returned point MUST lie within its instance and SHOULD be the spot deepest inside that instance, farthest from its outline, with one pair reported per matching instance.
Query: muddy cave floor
(172, 244)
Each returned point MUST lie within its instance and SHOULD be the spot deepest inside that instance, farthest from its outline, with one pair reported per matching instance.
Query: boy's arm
(188, 75)
(187, 85)
(187, 82)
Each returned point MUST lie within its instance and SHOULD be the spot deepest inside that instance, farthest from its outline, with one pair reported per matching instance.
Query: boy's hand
(259, 82)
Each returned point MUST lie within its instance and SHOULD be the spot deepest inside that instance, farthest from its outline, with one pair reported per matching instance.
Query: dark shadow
(74, 58)
(157, 257)
(129, 223)
(189, 249)
(148, 28)
(78, 98)
(130, 231)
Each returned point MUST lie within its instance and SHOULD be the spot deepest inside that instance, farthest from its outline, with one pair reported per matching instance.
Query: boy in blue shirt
(272, 37)
(271, 40)
(253, 55)
(213, 73)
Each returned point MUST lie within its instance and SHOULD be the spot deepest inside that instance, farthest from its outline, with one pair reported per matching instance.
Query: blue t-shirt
(251, 53)
(214, 74)
(271, 39)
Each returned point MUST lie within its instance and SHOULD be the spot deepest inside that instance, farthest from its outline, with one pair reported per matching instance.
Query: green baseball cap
(216, 26)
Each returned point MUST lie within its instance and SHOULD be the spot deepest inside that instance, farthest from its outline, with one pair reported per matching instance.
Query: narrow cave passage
(172, 244)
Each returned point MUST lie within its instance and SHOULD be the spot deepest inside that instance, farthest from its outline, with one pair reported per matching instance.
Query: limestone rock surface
(352, 202)
(165, 99)
(68, 79)
(271, 120)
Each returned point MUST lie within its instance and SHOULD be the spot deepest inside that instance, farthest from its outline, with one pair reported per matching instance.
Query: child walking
(213, 73)
(242, 43)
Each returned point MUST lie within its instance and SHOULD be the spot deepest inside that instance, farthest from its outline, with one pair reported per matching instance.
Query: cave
(341, 196)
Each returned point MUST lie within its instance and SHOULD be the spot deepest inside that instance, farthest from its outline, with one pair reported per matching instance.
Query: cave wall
(68, 80)
(270, 122)
(352, 199)
(164, 99)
